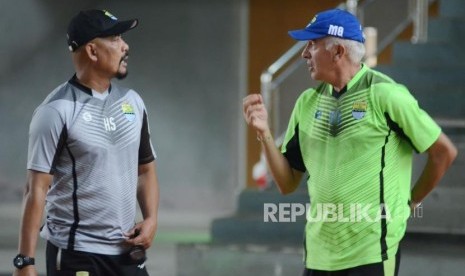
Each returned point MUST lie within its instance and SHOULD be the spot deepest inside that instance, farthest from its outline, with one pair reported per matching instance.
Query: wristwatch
(21, 261)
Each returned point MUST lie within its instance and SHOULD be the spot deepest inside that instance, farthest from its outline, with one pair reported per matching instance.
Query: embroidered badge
(128, 111)
(107, 13)
(311, 22)
(359, 109)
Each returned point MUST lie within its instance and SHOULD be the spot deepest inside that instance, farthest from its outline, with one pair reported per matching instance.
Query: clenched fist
(255, 114)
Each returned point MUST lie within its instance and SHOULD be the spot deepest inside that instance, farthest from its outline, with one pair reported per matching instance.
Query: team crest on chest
(128, 111)
(359, 109)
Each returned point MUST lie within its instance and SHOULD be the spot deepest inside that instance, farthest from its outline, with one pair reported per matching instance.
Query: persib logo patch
(311, 22)
(359, 109)
(128, 111)
(107, 13)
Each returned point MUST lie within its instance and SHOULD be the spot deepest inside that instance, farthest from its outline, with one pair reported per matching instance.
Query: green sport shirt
(356, 146)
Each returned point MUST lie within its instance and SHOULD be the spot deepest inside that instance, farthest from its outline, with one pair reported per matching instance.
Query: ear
(339, 52)
(91, 51)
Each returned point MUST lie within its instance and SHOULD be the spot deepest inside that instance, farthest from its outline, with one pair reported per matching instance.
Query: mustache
(124, 57)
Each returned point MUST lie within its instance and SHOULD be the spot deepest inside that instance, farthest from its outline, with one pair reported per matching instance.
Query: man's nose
(306, 53)
(125, 46)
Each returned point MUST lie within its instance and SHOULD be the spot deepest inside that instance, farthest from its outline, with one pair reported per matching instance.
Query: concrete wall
(187, 61)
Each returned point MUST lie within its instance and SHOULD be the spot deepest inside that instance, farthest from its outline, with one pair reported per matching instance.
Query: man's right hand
(255, 113)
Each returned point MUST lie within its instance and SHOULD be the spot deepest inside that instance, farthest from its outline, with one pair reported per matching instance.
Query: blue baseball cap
(334, 22)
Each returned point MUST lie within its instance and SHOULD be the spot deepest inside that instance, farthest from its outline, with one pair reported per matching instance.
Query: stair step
(442, 212)
(237, 259)
(428, 54)
(253, 229)
(454, 177)
(253, 221)
(446, 30)
(430, 218)
(452, 8)
(252, 201)
(440, 101)
(434, 76)
(438, 90)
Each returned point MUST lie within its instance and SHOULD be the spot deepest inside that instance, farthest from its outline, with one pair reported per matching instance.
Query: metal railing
(271, 80)
(420, 20)
(416, 13)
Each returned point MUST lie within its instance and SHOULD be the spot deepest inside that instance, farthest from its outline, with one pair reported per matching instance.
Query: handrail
(418, 16)
(420, 20)
(267, 76)
(451, 123)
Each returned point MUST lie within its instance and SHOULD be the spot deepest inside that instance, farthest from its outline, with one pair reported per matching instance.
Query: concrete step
(233, 260)
(443, 29)
(455, 176)
(452, 8)
(440, 101)
(442, 212)
(432, 75)
(448, 55)
(253, 229)
(257, 215)
(426, 255)
(253, 201)
(437, 89)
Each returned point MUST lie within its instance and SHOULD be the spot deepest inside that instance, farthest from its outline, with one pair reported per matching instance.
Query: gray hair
(355, 49)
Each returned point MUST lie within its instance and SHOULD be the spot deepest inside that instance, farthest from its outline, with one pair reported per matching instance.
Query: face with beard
(123, 74)
(113, 54)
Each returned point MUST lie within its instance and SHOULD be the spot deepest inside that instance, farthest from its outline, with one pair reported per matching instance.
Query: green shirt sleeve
(404, 114)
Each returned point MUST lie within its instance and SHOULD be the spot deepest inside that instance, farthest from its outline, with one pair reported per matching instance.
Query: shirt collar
(351, 83)
(74, 81)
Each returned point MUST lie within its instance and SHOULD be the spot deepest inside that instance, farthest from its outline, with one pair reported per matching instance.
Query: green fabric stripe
(389, 266)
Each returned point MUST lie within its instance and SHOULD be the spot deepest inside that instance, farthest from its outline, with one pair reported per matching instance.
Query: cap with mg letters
(334, 22)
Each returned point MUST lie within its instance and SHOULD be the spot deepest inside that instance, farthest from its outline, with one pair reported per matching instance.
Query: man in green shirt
(354, 134)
